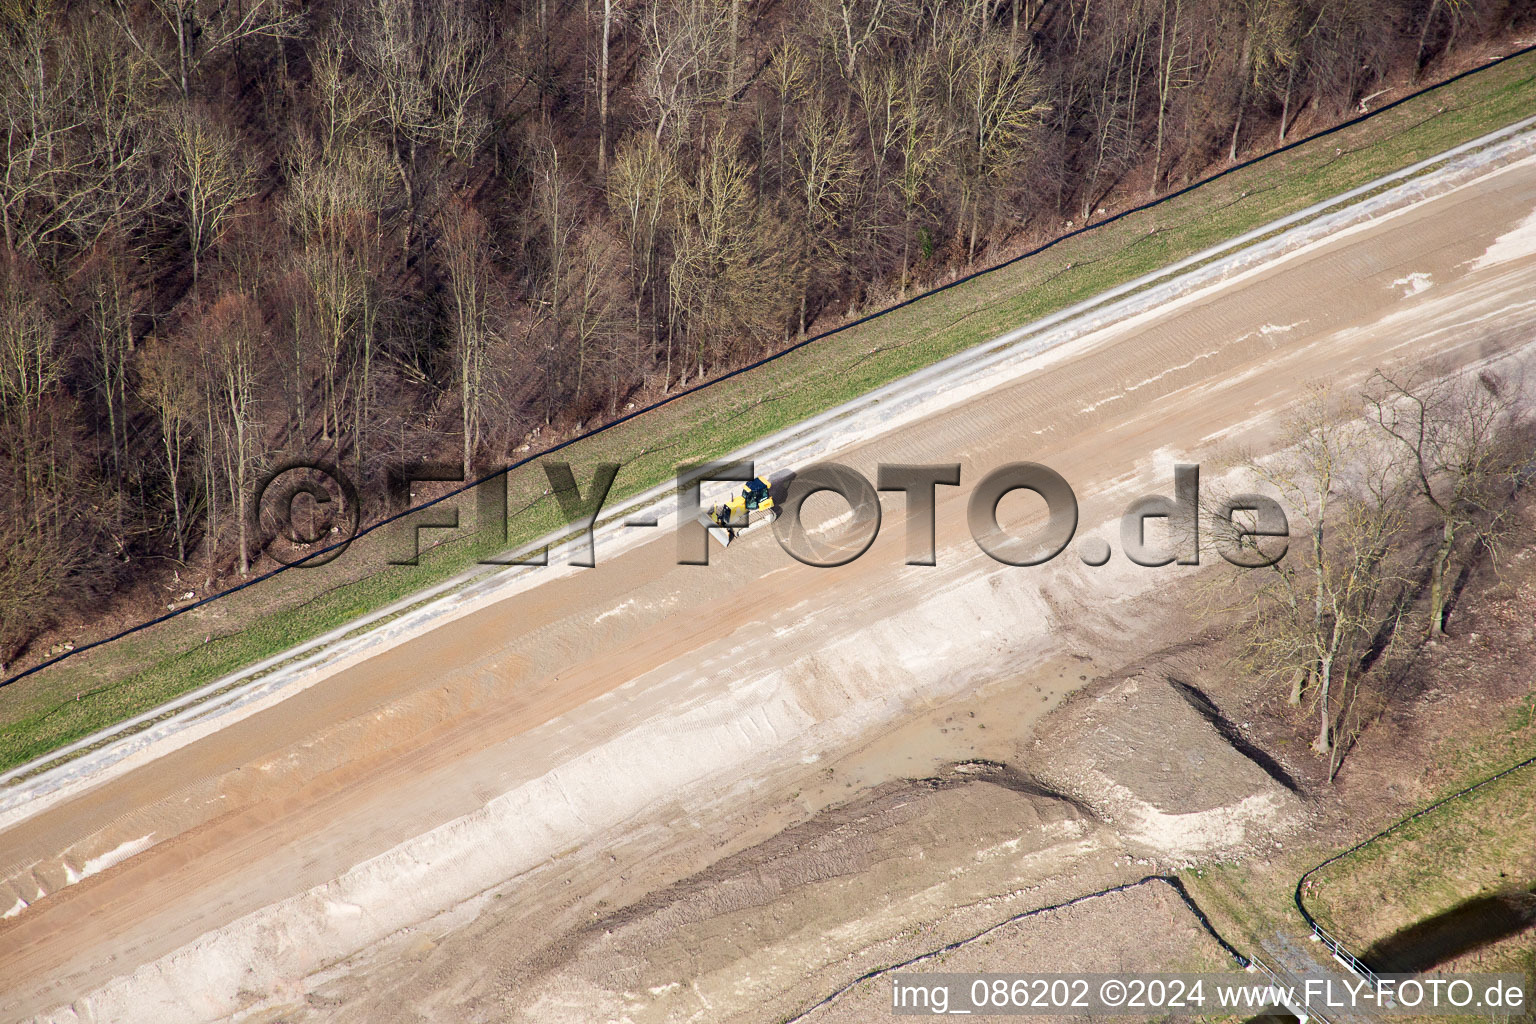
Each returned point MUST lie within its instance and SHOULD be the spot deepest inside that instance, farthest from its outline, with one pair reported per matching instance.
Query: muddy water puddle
(989, 724)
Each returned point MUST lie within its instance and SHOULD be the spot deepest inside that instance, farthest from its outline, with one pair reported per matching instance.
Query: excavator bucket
(725, 534)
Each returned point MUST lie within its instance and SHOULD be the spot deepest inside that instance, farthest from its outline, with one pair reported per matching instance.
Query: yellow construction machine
(746, 510)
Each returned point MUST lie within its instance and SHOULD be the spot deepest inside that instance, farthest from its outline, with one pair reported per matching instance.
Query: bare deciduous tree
(466, 260)
(1314, 616)
(824, 171)
(1269, 45)
(343, 105)
(75, 113)
(604, 36)
(592, 321)
(1456, 435)
(107, 317)
(996, 98)
(641, 192)
(1175, 71)
(1455, 8)
(231, 335)
(29, 370)
(854, 27)
(686, 63)
(725, 282)
(788, 74)
(330, 207)
(195, 32)
(207, 174)
(168, 386)
(427, 66)
(923, 135)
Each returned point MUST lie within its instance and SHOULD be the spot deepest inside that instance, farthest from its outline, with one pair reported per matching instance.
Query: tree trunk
(1437, 591)
(211, 480)
(1285, 106)
(466, 416)
(181, 532)
(172, 441)
(240, 507)
(1298, 685)
(362, 411)
(298, 377)
(1429, 20)
(181, 59)
(543, 19)
(666, 380)
(1246, 64)
(602, 93)
(1164, 62)
(109, 384)
(730, 71)
(1324, 742)
(906, 253)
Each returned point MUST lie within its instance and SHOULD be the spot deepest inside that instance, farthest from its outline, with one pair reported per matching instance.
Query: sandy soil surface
(1132, 931)
(524, 771)
(1201, 796)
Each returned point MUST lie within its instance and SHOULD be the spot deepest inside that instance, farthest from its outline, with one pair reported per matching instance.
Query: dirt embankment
(1169, 760)
(909, 866)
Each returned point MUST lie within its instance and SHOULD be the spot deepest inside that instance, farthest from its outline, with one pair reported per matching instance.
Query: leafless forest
(237, 230)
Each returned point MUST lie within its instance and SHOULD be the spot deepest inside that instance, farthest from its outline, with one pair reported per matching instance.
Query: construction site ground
(653, 792)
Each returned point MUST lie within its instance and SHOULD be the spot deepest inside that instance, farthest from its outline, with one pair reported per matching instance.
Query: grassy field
(1479, 844)
(1475, 845)
(134, 675)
